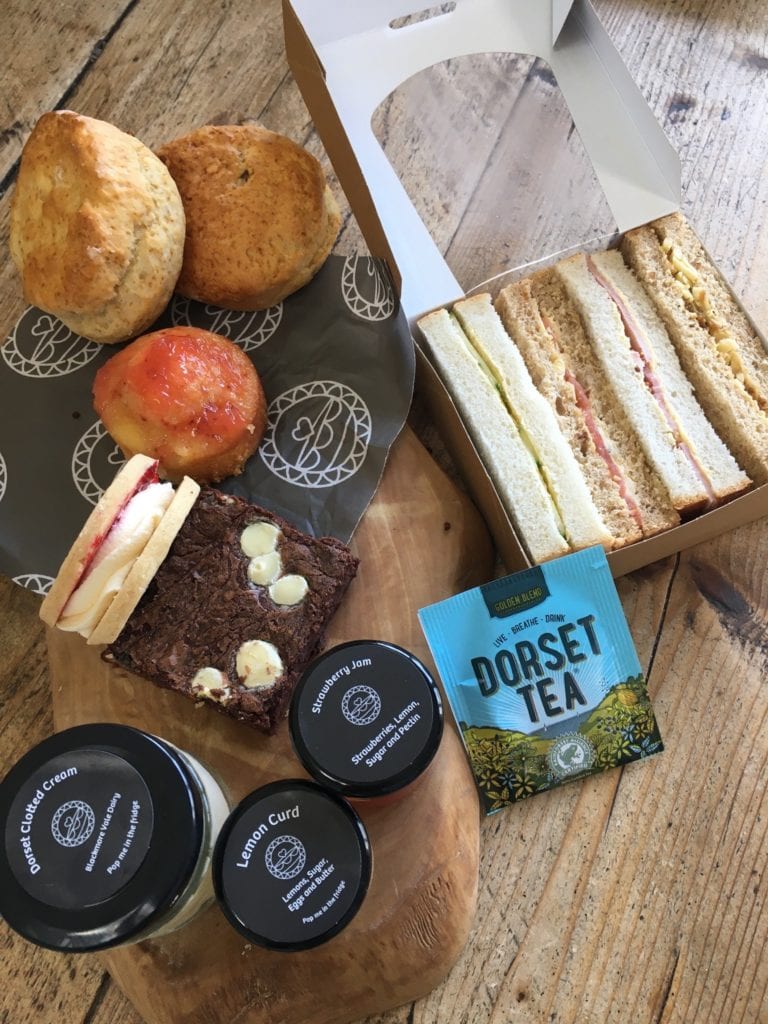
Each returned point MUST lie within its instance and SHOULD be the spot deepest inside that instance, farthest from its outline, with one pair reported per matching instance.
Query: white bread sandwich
(641, 365)
(547, 329)
(721, 354)
(510, 464)
(117, 552)
(535, 422)
(520, 445)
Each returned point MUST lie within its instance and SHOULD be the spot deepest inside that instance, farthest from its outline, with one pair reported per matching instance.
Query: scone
(97, 227)
(261, 219)
(187, 397)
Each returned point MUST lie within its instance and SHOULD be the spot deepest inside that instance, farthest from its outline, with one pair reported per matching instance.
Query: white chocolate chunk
(289, 589)
(258, 664)
(259, 539)
(265, 569)
(209, 679)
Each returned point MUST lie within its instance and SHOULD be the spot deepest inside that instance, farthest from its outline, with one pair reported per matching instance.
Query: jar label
(293, 867)
(79, 829)
(367, 712)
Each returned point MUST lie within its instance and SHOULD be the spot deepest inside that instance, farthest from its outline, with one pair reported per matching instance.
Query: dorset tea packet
(542, 677)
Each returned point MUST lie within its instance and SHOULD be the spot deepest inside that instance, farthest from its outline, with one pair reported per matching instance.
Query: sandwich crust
(547, 329)
(721, 354)
(695, 465)
(509, 463)
(97, 227)
(261, 219)
(535, 420)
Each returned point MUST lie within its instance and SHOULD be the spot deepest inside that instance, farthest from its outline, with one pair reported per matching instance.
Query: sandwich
(640, 364)
(720, 352)
(117, 552)
(514, 429)
(547, 329)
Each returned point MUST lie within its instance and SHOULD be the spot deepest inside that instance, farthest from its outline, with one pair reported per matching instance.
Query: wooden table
(637, 896)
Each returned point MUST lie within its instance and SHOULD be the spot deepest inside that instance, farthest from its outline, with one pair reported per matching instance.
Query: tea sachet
(542, 677)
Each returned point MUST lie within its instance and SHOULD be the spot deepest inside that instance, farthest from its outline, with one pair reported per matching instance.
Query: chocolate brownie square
(237, 609)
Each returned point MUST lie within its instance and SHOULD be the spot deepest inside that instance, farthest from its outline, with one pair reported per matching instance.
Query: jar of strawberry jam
(366, 720)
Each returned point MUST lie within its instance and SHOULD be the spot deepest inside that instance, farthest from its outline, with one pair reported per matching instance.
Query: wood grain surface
(422, 537)
(638, 896)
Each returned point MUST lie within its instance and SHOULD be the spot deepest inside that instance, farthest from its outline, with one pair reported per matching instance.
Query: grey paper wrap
(337, 364)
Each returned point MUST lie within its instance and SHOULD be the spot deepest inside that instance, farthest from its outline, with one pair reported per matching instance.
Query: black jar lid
(291, 866)
(100, 831)
(366, 718)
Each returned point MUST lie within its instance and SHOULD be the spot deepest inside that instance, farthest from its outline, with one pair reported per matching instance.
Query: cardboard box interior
(347, 62)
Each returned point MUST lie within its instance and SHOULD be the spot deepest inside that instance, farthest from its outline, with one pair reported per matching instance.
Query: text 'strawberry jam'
(366, 719)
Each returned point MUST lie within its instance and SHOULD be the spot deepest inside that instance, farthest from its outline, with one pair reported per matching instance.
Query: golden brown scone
(97, 227)
(185, 396)
(261, 219)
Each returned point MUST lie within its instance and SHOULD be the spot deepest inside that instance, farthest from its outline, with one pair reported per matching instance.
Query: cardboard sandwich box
(347, 59)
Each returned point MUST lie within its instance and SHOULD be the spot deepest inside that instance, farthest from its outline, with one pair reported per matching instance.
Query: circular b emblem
(41, 346)
(73, 823)
(249, 330)
(318, 434)
(570, 755)
(285, 857)
(35, 581)
(365, 288)
(361, 705)
(95, 461)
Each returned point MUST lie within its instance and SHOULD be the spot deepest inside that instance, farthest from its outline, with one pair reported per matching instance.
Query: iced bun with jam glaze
(187, 397)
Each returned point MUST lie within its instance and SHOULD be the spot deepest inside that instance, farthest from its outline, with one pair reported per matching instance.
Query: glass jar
(366, 720)
(292, 866)
(108, 833)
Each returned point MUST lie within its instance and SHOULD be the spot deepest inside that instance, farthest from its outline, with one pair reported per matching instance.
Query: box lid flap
(360, 59)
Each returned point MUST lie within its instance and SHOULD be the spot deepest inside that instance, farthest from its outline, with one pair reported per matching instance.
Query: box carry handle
(347, 60)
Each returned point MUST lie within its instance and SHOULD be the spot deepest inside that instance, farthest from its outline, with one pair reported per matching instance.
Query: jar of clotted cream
(106, 837)
(366, 720)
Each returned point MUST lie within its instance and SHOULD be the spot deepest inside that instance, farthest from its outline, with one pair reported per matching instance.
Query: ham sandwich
(588, 398)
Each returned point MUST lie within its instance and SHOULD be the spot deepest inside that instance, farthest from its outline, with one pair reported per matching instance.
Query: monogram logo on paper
(318, 434)
(96, 456)
(35, 582)
(42, 346)
(73, 823)
(570, 755)
(248, 329)
(361, 705)
(366, 288)
(285, 857)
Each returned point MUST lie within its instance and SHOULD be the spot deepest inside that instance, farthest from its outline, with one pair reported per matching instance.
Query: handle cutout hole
(425, 15)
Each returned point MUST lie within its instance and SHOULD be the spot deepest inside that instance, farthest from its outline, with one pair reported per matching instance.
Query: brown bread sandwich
(548, 330)
(719, 350)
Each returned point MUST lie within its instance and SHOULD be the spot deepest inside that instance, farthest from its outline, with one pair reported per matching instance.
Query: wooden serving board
(421, 540)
